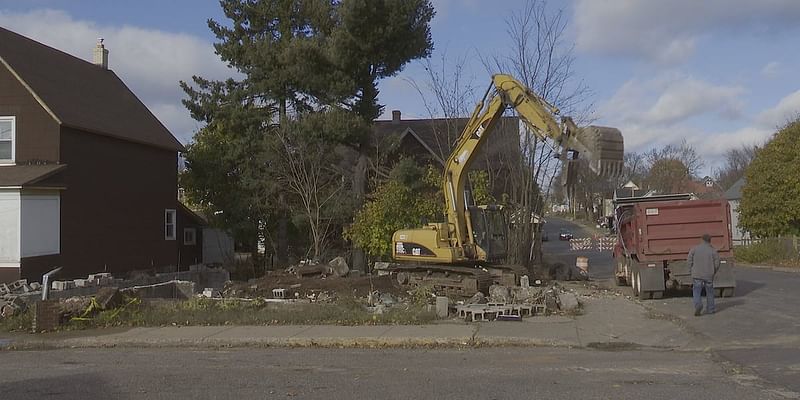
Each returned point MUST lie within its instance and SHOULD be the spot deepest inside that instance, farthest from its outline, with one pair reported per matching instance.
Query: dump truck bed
(667, 230)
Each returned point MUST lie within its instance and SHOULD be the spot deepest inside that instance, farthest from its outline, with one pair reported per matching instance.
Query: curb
(770, 267)
(351, 343)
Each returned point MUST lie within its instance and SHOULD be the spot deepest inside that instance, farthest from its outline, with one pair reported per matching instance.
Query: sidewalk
(612, 323)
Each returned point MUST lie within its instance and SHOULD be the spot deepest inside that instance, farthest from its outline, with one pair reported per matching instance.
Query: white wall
(9, 227)
(41, 223)
(738, 235)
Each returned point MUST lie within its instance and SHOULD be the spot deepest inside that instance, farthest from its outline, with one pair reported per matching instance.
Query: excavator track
(455, 280)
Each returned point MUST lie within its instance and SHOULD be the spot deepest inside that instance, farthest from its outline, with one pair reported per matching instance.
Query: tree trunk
(359, 260)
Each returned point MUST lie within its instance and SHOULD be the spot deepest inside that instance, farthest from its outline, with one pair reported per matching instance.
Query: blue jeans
(697, 287)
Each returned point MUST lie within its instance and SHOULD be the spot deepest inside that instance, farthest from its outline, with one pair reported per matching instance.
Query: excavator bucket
(604, 150)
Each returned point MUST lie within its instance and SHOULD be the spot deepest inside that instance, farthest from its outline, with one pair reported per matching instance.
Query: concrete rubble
(17, 296)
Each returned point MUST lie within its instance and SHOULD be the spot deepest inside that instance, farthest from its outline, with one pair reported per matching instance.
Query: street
(758, 329)
(618, 350)
(495, 373)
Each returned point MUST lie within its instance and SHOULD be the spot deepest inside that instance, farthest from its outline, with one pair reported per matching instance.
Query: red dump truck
(654, 236)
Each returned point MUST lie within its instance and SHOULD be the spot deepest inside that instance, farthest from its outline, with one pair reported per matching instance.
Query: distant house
(431, 140)
(734, 196)
(88, 175)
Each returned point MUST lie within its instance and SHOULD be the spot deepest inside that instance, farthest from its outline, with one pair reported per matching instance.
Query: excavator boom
(474, 234)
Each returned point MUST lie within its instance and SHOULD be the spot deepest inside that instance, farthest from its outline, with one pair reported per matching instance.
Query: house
(88, 175)
(734, 196)
(430, 141)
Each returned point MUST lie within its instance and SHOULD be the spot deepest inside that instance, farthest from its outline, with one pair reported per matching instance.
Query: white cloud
(669, 99)
(687, 98)
(635, 110)
(667, 31)
(149, 61)
(788, 108)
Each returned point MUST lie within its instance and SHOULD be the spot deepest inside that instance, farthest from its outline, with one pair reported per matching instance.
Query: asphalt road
(330, 374)
(558, 251)
(758, 329)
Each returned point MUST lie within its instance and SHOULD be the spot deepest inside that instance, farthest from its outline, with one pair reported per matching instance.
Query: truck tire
(619, 280)
(635, 284)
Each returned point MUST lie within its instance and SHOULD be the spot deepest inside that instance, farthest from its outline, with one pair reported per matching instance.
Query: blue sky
(718, 73)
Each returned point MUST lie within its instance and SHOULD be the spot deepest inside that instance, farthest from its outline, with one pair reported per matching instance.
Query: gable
(81, 95)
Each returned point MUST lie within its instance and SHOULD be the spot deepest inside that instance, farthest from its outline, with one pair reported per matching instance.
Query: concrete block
(63, 285)
(278, 293)
(567, 301)
(83, 283)
(442, 306)
(35, 286)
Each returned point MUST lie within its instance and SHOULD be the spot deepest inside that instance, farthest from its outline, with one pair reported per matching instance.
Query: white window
(169, 224)
(7, 133)
(189, 236)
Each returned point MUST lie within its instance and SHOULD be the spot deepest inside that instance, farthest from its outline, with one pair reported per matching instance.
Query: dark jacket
(703, 262)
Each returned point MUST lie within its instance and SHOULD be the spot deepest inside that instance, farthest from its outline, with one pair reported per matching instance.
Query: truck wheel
(728, 291)
(627, 269)
(635, 284)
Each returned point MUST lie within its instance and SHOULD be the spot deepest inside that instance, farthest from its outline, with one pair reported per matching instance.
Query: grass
(772, 251)
(207, 312)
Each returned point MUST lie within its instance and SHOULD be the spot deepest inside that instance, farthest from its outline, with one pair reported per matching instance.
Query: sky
(717, 73)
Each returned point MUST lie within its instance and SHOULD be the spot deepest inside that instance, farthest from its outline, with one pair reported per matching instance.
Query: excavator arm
(601, 147)
(466, 238)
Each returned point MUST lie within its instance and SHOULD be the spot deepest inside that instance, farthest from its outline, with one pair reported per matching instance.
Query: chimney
(100, 54)
(395, 116)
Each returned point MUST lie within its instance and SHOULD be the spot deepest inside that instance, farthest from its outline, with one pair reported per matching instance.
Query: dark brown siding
(37, 132)
(8, 275)
(112, 212)
(34, 267)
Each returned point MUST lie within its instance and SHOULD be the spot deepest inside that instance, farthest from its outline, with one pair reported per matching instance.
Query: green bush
(777, 251)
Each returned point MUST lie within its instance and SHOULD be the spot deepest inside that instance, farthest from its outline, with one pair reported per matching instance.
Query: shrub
(778, 251)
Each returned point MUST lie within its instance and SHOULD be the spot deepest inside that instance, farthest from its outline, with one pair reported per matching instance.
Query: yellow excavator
(464, 254)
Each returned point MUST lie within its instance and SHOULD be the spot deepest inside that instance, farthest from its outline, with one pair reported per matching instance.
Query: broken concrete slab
(499, 294)
(568, 302)
(442, 306)
(339, 266)
(109, 297)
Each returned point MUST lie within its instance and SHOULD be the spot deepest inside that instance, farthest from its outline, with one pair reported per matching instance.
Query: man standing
(703, 265)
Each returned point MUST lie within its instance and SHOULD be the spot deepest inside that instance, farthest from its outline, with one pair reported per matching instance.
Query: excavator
(464, 255)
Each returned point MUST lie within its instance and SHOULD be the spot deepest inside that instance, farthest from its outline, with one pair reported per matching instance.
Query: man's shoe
(698, 311)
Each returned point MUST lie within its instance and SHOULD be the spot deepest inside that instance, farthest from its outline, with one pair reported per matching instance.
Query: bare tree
(672, 167)
(448, 96)
(735, 164)
(305, 166)
(542, 59)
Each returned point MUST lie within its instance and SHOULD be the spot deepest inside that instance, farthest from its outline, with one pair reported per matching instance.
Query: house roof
(735, 191)
(25, 175)
(81, 95)
(438, 135)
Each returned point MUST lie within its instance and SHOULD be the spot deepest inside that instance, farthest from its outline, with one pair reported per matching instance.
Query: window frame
(13, 120)
(173, 224)
(192, 242)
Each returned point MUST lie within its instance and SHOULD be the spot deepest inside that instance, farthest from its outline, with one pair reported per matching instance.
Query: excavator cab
(490, 231)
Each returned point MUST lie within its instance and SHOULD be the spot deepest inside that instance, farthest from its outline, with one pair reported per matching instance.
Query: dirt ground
(357, 286)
